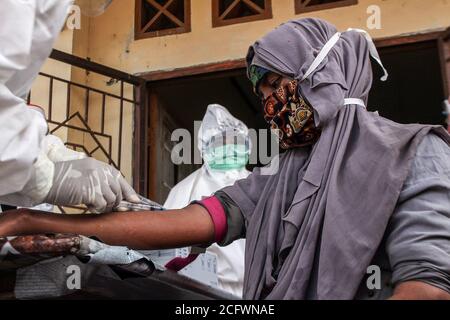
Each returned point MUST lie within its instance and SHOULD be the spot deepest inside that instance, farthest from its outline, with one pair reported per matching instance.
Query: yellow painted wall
(111, 35)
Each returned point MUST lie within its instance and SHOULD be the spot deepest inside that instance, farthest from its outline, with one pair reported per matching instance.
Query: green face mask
(227, 157)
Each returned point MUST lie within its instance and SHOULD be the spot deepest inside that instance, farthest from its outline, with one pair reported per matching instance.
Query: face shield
(446, 107)
(93, 8)
(223, 140)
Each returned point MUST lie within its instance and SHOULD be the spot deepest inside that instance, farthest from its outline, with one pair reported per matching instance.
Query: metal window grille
(302, 6)
(226, 12)
(155, 18)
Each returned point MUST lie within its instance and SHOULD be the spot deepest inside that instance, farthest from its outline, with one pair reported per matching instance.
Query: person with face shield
(27, 176)
(224, 144)
(356, 197)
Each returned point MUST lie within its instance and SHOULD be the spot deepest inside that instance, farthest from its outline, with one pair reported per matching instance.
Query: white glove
(56, 151)
(90, 182)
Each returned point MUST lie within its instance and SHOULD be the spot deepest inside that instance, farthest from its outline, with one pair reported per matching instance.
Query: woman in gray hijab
(354, 193)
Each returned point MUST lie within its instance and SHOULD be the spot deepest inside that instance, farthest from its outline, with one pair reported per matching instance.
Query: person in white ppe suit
(55, 150)
(225, 147)
(446, 113)
(27, 176)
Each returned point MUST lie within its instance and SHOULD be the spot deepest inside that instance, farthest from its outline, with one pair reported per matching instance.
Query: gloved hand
(88, 181)
(56, 151)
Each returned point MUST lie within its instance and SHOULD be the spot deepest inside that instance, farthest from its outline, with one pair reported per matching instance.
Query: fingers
(128, 192)
(111, 189)
(116, 189)
(98, 207)
(129, 195)
(97, 203)
(121, 209)
(111, 199)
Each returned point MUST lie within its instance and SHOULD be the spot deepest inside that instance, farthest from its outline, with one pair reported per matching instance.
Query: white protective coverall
(204, 182)
(28, 30)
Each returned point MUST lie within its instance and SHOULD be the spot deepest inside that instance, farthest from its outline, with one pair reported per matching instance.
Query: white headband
(330, 44)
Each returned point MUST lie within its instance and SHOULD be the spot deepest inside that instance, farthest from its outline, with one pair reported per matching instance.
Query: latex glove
(90, 182)
(56, 151)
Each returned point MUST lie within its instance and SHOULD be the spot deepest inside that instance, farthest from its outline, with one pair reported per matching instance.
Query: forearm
(417, 290)
(137, 230)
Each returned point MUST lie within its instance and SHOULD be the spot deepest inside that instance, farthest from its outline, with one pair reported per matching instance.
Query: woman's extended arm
(136, 230)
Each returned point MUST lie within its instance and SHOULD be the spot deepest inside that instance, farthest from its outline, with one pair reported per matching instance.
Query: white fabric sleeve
(19, 144)
(17, 20)
(37, 187)
(20, 141)
(47, 22)
(28, 31)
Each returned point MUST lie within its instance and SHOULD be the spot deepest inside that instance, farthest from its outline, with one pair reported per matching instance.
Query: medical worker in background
(28, 177)
(447, 113)
(225, 148)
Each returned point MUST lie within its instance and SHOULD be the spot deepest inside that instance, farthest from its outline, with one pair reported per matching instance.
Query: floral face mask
(291, 116)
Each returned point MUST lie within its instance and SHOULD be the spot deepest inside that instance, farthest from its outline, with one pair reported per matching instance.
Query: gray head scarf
(313, 228)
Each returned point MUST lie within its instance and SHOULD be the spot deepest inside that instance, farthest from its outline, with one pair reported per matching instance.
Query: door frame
(212, 69)
(444, 53)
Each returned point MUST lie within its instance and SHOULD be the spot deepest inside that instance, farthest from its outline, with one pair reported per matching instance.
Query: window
(302, 6)
(162, 17)
(226, 12)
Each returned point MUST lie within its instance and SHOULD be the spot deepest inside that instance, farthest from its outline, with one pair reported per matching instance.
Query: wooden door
(163, 173)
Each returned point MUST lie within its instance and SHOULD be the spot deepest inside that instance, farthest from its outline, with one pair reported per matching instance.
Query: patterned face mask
(291, 115)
